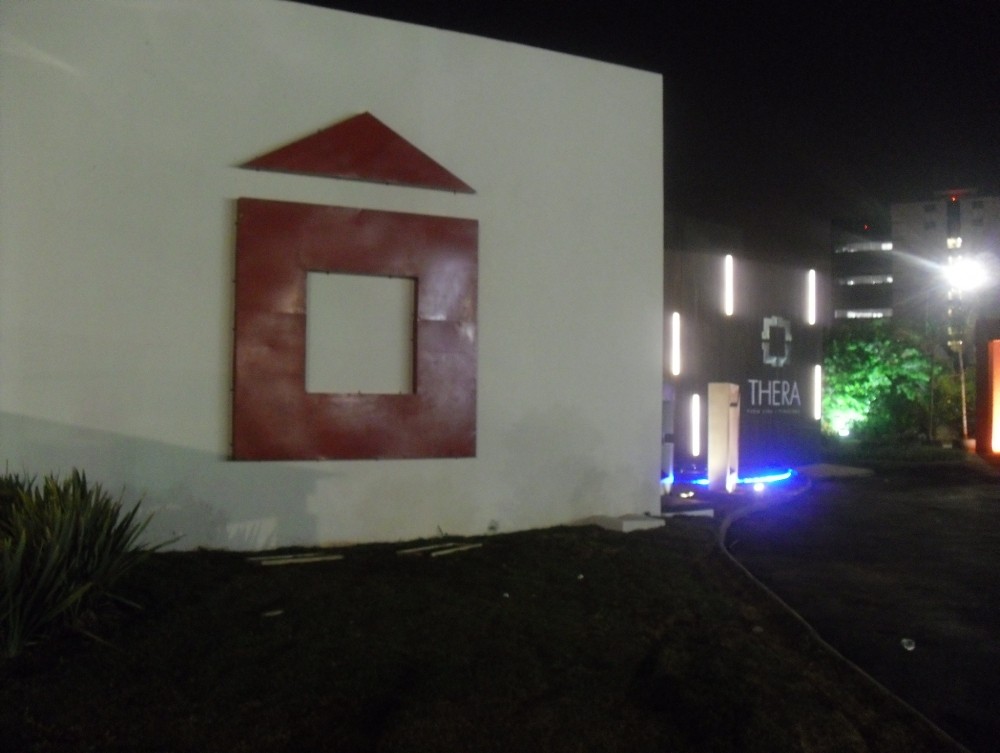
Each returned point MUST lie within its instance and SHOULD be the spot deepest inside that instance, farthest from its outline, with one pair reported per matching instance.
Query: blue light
(769, 478)
(758, 482)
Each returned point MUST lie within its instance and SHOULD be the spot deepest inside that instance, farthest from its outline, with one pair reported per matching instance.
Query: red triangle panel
(361, 148)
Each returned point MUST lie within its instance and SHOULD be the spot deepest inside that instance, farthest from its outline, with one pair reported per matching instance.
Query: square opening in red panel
(359, 334)
(274, 416)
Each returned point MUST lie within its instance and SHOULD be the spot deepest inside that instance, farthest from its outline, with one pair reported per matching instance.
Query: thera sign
(774, 393)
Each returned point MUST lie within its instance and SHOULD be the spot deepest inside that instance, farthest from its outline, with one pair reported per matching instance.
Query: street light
(963, 274)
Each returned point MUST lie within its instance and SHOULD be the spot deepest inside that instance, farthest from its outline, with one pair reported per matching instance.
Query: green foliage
(876, 381)
(63, 547)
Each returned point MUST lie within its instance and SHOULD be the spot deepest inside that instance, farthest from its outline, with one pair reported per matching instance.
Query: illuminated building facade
(754, 324)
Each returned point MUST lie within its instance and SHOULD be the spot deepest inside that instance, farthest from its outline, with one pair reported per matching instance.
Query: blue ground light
(758, 480)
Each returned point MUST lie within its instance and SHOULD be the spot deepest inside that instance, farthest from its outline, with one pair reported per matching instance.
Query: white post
(667, 441)
(723, 436)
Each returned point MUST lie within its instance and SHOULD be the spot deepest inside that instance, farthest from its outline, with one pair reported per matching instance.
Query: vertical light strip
(811, 297)
(675, 343)
(727, 295)
(696, 425)
(817, 392)
(993, 363)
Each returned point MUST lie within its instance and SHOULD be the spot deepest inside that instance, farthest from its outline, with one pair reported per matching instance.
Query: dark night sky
(782, 116)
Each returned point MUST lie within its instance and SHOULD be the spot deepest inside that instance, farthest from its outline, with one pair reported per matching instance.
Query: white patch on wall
(359, 334)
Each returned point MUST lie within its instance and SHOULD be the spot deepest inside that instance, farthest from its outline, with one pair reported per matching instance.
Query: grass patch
(892, 458)
(563, 639)
(64, 546)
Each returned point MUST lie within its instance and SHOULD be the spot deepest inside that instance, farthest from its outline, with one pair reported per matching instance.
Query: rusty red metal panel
(361, 148)
(274, 418)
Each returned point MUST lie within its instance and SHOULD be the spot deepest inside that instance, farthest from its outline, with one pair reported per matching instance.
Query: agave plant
(64, 545)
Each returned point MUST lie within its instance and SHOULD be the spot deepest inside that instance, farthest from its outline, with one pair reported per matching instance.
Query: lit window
(696, 425)
(865, 280)
(861, 313)
(675, 343)
(727, 296)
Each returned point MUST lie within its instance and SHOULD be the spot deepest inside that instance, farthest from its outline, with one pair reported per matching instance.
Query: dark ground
(911, 553)
(564, 639)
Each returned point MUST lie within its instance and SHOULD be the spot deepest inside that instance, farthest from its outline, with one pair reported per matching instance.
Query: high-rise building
(898, 267)
(933, 235)
(862, 271)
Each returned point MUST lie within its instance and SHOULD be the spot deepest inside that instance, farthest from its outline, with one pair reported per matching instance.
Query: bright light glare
(964, 273)
(727, 300)
(811, 297)
(842, 425)
(696, 425)
(675, 344)
(817, 392)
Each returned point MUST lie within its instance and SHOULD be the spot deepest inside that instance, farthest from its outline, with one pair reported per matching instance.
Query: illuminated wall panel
(817, 392)
(695, 425)
(728, 286)
(811, 297)
(994, 379)
(675, 344)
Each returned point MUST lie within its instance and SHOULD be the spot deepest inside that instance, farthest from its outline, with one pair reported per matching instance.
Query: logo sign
(280, 243)
(769, 395)
(774, 393)
(776, 341)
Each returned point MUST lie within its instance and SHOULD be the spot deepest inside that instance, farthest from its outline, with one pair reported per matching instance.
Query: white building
(124, 133)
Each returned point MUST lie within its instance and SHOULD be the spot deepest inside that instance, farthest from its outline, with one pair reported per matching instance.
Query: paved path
(875, 564)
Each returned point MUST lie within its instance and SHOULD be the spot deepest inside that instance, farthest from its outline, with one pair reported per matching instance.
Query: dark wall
(766, 347)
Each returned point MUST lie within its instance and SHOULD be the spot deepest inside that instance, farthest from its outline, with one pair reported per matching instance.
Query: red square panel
(274, 418)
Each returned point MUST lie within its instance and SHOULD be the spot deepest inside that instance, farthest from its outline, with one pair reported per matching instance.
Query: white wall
(122, 124)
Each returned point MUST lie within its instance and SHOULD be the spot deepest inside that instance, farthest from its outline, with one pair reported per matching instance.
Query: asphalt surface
(900, 572)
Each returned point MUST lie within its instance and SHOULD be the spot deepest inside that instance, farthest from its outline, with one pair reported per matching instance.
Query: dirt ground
(900, 572)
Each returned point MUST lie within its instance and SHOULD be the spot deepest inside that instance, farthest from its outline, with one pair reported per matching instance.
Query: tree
(878, 381)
